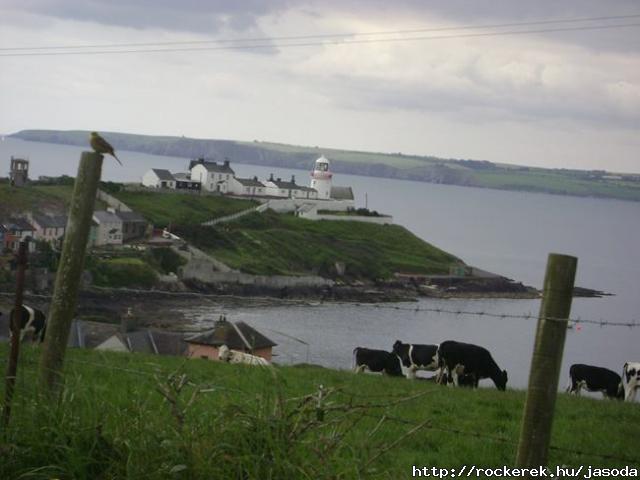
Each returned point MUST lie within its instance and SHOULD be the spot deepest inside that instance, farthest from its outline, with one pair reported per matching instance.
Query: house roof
(50, 221)
(18, 224)
(212, 166)
(250, 182)
(168, 343)
(130, 217)
(341, 193)
(238, 336)
(184, 177)
(163, 174)
(285, 185)
(102, 216)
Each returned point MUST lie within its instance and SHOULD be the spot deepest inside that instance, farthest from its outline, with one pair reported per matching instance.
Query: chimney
(271, 177)
(279, 179)
(293, 179)
(226, 162)
(255, 179)
(201, 160)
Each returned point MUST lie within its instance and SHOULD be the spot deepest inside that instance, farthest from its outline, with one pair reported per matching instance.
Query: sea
(506, 232)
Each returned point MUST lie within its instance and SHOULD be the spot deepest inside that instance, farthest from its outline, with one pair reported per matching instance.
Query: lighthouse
(321, 178)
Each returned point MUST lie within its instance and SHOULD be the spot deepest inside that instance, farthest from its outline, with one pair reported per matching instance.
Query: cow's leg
(631, 394)
(411, 372)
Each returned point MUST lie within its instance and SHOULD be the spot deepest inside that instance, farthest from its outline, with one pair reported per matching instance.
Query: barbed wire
(273, 301)
(522, 316)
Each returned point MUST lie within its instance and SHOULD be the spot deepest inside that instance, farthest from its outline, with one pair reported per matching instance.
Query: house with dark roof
(184, 182)
(237, 336)
(134, 225)
(49, 228)
(15, 230)
(109, 229)
(247, 186)
(276, 187)
(213, 176)
(158, 178)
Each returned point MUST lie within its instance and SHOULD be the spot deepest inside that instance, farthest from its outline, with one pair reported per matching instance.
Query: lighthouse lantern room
(321, 178)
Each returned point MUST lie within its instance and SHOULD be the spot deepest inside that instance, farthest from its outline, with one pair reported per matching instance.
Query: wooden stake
(14, 353)
(65, 293)
(535, 434)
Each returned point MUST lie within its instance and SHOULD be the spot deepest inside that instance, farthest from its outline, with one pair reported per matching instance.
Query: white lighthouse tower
(321, 178)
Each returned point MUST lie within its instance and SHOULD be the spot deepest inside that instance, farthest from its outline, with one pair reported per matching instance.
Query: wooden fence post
(65, 293)
(12, 367)
(535, 433)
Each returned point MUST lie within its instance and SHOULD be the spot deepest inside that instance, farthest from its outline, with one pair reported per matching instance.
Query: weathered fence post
(535, 433)
(12, 367)
(65, 293)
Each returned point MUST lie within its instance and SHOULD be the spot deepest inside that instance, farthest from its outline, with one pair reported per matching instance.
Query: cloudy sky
(567, 98)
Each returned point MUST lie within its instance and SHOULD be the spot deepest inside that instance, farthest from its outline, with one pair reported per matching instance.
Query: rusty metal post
(14, 353)
(65, 293)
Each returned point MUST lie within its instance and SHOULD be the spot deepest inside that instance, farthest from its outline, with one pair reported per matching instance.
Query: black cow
(417, 357)
(376, 361)
(475, 360)
(33, 322)
(595, 379)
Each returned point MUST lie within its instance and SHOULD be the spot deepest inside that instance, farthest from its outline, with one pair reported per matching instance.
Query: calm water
(506, 232)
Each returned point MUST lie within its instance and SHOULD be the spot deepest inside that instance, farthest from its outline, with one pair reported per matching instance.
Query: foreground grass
(110, 421)
(270, 243)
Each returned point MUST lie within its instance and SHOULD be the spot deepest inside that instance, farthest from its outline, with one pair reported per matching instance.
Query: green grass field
(111, 421)
(271, 243)
(163, 209)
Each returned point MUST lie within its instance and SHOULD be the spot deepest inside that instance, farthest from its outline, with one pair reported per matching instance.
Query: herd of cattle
(465, 364)
(456, 363)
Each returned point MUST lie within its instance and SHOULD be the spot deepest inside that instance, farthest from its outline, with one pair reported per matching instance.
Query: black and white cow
(416, 357)
(475, 360)
(595, 379)
(376, 361)
(33, 323)
(631, 380)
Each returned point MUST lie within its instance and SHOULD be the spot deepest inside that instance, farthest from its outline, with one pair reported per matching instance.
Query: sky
(559, 99)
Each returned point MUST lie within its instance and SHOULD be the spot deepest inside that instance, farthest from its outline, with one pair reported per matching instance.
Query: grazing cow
(595, 379)
(225, 354)
(417, 357)
(476, 361)
(631, 379)
(376, 361)
(33, 322)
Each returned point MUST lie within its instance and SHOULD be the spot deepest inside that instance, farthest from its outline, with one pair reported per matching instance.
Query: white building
(321, 178)
(158, 178)
(109, 228)
(212, 176)
(276, 187)
(247, 186)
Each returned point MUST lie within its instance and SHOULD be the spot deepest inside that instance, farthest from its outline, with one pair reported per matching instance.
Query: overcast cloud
(556, 99)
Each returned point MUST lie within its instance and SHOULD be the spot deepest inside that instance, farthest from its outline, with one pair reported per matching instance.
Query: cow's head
(401, 350)
(501, 380)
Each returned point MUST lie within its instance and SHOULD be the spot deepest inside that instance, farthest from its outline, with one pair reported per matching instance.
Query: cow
(631, 380)
(33, 323)
(475, 360)
(225, 354)
(376, 361)
(595, 379)
(416, 357)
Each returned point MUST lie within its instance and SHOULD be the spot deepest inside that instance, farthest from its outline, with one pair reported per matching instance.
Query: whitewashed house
(49, 228)
(109, 228)
(247, 186)
(276, 187)
(213, 177)
(158, 178)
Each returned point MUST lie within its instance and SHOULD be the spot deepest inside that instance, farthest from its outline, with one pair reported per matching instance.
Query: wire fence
(275, 302)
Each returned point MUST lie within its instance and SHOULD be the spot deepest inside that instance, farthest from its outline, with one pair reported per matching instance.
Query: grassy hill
(478, 173)
(111, 421)
(271, 243)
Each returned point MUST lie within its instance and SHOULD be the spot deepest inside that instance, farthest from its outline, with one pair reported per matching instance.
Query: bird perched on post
(100, 145)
